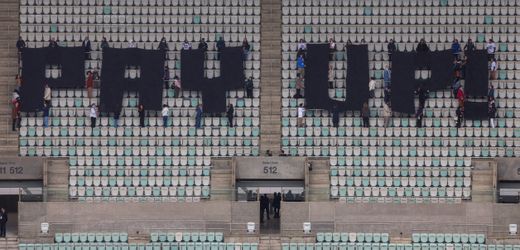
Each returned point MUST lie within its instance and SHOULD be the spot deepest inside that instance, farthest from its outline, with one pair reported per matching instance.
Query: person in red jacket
(460, 97)
(89, 83)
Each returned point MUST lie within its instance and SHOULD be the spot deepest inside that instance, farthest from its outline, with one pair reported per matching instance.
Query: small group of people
(267, 205)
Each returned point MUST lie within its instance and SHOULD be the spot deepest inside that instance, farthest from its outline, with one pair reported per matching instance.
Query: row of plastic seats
(389, 246)
(135, 161)
(398, 3)
(400, 163)
(353, 237)
(149, 161)
(459, 192)
(137, 199)
(158, 10)
(448, 238)
(151, 170)
(227, 3)
(90, 237)
(186, 98)
(400, 200)
(110, 158)
(404, 171)
(325, 151)
(347, 181)
(148, 246)
(135, 130)
(186, 237)
(151, 181)
(127, 142)
(140, 191)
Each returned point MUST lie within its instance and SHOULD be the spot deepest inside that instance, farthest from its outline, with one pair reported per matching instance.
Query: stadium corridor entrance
(270, 195)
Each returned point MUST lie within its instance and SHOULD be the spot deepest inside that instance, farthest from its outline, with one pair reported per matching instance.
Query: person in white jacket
(372, 87)
(387, 114)
(165, 113)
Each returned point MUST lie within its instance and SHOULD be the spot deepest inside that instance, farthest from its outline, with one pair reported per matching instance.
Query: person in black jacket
(86, 47)
(460, 116)
(220, 46)
(3, 221)
(141, 111)
(470, 46)
(20, 45)
(104, 43)
(230, 113)
(335, 116)
(163, 46)
(419, 116)
(492, 111)
(423, 95)
(391, 49)
(249, 87)
(203, 45)
(422, 46)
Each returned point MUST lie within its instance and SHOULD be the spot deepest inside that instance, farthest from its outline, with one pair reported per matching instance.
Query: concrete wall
(508, 169)
(491, 219)
(135, 218)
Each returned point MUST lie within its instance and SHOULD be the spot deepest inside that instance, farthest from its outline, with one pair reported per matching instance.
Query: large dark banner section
(403, 82)
(475, 110)
(213, 90)
(357, 76)
(316, 77)
(114, 83)
(441, 70)
(476, 75)
(69, 60)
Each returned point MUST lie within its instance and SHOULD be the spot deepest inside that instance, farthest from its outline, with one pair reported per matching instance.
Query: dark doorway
(10, 203)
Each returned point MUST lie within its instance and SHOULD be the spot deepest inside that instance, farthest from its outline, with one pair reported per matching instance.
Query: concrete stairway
(57, 181)
(9, 21)
(9, 243)
(319, 180)
(483, 180)
(270, 242)
(270, 76)
(222, 179)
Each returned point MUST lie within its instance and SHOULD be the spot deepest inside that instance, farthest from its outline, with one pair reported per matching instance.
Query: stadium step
(9, 20)
(484, 176)
(270, 242)
(271, 32)
(221, 179)
(9, 243)
(319, 179)
(58, 179)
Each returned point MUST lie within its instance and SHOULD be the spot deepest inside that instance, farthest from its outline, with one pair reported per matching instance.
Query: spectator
(249, 87)
(332, 48)
(492, 111)
(460, 97)
(165, 113)
(3, 221)
(268, 153)
(104, 43)
(365, 113)
(86, 48)
(457, 69)
(388, 95)
(419, 117)
(372, 87)
(456, 85)
(391, 49)
(47, 94)
(300, 64)
(387, 113)
(18, 80)
(132, 44)
(116, 118)
(15, 97)
(423, 95)
(16, 115)
(463, 67)
(302, 45)
(203, 45)
(230, 113)
(186, 45)
(166, 77)
(299, 86)
(301, 115)
(245, 47)
(331, 76)
(491, 48)
(491, 92)
(348, 43)
(460, 116)
(46, 111)
(220, 46)
(93, 115)
(53, 43)
(141, 111)
(198, 116)
(177, 86)
(89, 83)
(422, 46)
(163, 45)
(455, 48)
(335, 116)
(20, 44)
(493, 69)
(469, 47)
(387, 77)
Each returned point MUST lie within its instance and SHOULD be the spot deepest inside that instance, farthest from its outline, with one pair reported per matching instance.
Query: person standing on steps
(230, 114)
(141, 111)
(3, 222)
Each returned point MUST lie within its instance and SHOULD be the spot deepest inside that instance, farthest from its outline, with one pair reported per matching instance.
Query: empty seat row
(91, 237)
(186, 237)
